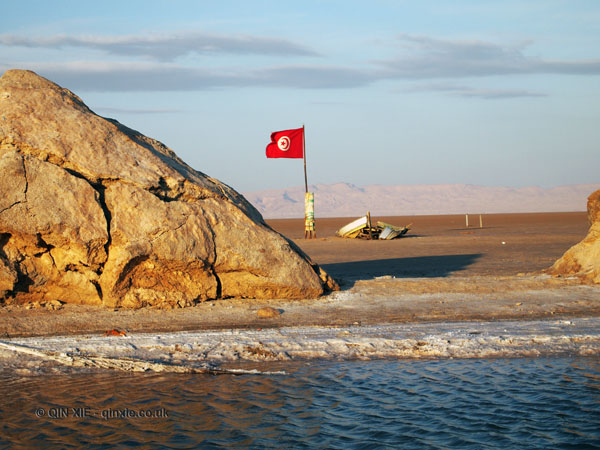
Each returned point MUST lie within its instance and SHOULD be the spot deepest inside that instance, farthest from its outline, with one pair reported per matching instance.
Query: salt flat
(440, 272)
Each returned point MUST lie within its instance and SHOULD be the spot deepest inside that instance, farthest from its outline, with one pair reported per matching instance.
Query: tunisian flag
(286, 144)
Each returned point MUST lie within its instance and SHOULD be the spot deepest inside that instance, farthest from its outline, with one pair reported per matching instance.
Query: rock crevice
(100, 188)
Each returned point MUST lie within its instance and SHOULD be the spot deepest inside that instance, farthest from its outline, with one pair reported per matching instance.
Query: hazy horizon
(349, 200)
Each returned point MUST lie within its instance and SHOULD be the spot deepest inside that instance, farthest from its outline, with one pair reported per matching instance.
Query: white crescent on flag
(283, 143)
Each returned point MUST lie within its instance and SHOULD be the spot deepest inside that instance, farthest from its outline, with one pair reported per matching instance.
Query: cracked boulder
(583, 259)
(93, 212)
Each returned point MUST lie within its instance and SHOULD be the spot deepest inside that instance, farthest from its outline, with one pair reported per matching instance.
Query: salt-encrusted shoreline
(205, 351)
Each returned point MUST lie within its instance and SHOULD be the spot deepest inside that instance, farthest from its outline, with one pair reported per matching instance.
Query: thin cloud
(313, 77)
(111, 110)
(105, 77)
(422, 58)
(425, 57)
(498, 93)
(165, 47)
(465, 91)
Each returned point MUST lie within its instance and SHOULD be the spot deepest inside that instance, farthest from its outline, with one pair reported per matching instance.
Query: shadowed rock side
(93, 212)
(583, 259)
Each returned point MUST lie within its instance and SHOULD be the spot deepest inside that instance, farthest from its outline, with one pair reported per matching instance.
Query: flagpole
(304, 155)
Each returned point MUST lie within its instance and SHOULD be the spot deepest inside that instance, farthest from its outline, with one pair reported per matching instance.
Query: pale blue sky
(496, 93)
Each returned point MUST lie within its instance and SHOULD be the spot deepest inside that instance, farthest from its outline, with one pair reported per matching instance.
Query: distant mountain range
(348, 200)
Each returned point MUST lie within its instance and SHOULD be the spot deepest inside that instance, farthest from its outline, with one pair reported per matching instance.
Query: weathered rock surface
(93, 212)
(268, 313)
(583, 259)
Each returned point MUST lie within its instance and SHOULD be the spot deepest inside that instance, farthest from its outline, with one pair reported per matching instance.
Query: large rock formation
(583, 259)
(93, 212)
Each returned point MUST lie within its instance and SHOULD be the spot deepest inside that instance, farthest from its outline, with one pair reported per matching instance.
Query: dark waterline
(477, 403)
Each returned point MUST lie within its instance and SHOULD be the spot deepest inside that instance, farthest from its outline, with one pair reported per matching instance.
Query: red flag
(286, 144)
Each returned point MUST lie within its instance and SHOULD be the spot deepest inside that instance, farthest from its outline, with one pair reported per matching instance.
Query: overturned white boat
(362, 228)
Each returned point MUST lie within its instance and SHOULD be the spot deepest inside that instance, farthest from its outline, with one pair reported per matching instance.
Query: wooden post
(480, 221)
(309, 220)
(309, 215)
(467, 220)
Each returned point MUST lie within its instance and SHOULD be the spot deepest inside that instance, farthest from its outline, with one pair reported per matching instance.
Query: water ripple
(494, 403)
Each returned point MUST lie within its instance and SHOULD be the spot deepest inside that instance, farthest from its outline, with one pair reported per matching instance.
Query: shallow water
(550, 402)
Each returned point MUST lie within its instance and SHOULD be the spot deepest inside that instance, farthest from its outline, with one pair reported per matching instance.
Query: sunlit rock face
(583, 259)
(93, 212)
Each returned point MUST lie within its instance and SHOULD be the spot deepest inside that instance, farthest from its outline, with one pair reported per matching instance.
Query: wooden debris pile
(362, 228)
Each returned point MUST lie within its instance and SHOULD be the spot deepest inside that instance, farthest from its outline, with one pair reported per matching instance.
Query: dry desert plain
(440, 271)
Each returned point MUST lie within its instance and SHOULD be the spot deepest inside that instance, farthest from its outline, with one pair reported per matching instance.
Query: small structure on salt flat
(362, 228)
